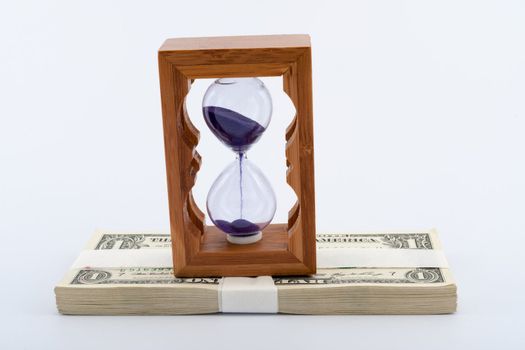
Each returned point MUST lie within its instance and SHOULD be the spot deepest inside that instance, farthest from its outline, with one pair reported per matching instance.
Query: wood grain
(200, 250)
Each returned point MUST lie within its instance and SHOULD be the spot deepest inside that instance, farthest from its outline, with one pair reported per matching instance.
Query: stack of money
(153, 290)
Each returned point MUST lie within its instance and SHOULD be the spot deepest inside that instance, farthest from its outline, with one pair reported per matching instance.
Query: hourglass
(241, 201)
(243, 240)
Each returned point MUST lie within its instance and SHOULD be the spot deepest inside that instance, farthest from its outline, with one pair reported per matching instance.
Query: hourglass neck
(241, 155)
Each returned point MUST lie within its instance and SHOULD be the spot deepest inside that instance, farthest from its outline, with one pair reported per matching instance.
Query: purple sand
(239, 227)
(232, 128)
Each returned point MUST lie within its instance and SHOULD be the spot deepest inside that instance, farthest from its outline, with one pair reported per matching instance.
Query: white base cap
(244, 239)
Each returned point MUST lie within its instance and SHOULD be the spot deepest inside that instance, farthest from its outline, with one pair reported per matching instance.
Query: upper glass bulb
(237, 111)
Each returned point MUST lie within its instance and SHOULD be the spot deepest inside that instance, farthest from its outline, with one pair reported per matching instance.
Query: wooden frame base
(200, 250)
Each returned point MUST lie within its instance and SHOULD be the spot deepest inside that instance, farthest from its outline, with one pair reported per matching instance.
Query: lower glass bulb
(241, 201)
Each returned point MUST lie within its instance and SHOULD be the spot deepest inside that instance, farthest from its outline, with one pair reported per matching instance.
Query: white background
(419, 122)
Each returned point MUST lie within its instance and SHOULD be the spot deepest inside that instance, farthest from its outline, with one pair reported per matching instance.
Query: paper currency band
(326, 258)
(248, 295)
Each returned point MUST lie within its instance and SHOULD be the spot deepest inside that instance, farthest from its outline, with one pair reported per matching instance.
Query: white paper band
(248, 295)
(370, 257)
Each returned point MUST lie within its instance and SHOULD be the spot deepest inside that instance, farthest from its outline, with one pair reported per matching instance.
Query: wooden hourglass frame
(200, 250)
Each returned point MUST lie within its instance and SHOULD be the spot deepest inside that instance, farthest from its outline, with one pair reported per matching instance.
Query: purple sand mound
(232, 128)
(239, 227)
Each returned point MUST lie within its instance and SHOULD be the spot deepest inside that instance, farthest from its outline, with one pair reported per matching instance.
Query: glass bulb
(241, 201)
(237, 111)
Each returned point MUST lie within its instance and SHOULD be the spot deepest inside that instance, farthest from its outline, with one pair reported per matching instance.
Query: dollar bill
(388, 240)
(164, 276)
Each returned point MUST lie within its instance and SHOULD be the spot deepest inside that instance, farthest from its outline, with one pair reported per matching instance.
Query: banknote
(164, 276)
(387, 240)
